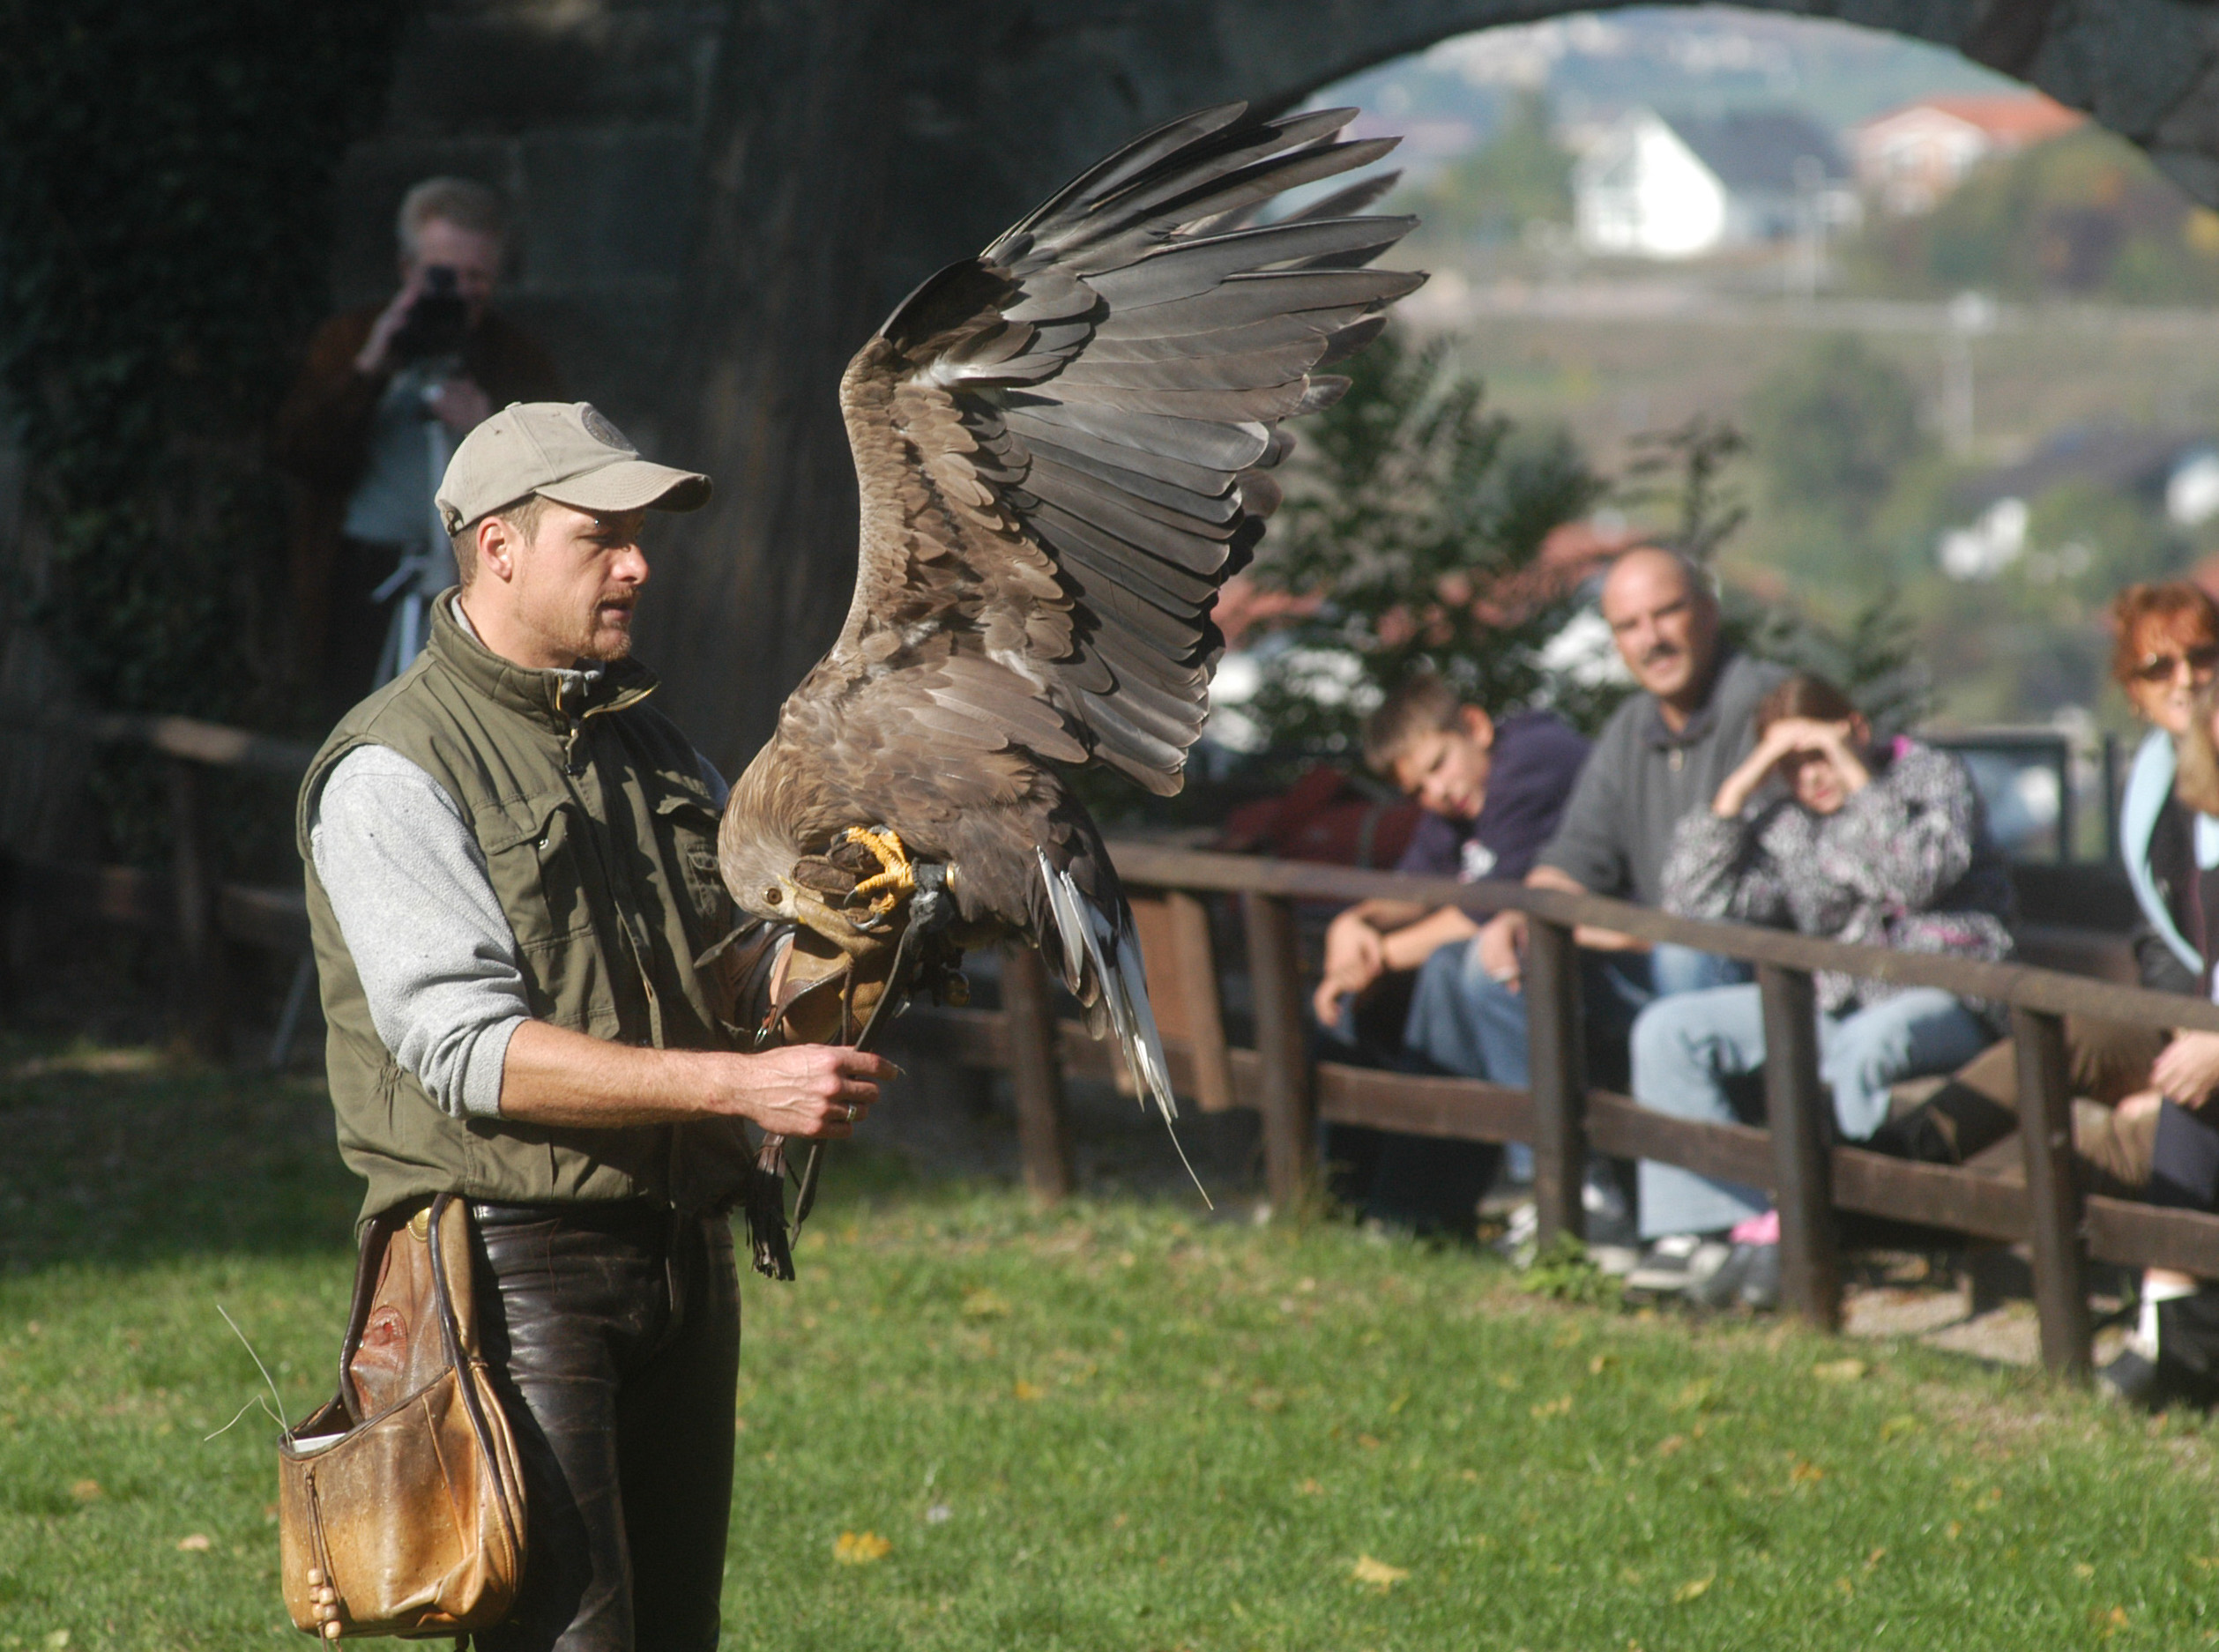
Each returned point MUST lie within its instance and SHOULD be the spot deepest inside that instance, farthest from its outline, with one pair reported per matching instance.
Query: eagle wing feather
(1051, 439)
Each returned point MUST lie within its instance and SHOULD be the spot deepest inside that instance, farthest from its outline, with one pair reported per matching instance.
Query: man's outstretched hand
(819, 1092)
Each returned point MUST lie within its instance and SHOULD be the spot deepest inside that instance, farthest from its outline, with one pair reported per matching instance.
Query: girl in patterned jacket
(1882, 845)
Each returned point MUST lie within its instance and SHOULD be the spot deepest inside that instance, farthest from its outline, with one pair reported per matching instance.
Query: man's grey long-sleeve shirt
(1642, 776)
(415, 906)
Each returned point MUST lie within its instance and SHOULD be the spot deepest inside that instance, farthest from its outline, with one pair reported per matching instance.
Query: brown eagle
(1061, 446)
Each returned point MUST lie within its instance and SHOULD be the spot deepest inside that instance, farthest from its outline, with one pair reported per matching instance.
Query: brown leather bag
(402, 1494)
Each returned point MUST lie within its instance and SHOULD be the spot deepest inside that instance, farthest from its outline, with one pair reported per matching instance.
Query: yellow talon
(897, 879)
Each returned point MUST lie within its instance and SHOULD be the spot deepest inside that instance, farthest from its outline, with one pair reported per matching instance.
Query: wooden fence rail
(201, 911)
(1563, 1116)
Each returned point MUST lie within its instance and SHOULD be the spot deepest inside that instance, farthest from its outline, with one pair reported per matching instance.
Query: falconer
(511, 868)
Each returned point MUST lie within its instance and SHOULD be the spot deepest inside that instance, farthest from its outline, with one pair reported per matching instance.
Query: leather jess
(613, 1331)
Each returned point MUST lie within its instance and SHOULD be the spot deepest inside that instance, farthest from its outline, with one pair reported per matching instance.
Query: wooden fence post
(1205, 1008)
(1799, 1116)
(2053, 1192)
(1290, 1083)
(1036, 1074)
(202, 981)
(1556, 1063)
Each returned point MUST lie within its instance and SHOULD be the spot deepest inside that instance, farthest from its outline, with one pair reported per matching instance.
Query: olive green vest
(600, 835)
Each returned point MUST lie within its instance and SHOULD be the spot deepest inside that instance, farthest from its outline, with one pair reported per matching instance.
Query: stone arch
(826, 156)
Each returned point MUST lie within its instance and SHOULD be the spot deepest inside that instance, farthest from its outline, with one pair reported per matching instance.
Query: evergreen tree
(1416, 515)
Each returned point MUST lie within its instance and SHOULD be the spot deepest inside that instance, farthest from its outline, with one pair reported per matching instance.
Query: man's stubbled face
(1665, 626)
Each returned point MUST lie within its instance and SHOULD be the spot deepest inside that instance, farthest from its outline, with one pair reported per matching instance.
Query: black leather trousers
(613, 1334)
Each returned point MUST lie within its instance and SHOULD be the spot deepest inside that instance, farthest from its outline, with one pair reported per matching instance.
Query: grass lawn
(1111, 1425)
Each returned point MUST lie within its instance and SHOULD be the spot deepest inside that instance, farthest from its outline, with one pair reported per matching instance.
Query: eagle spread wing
(1062, 447)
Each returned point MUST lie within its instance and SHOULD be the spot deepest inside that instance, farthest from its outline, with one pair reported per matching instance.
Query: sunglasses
(2201, 660)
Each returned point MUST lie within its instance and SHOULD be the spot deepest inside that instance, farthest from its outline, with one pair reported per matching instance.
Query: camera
(438, 321)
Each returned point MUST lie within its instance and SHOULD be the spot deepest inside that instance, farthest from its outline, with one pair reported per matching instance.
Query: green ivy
(165, 204)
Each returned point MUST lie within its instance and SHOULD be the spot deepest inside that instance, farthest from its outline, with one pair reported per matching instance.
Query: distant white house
(1657, 186)
(1909, 158)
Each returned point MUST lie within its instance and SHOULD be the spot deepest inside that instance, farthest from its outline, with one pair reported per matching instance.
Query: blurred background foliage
(1520, 176)
(1415, 518)
(2087, 214)
(163, 243)
(165, 206)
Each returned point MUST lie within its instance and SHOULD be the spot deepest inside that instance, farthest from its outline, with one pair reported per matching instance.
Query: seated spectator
(1492, 791)
(2165, 646)
(2173, 1353)
(1663, 753)
(2130, 1134)
(1879, 846)
(376, 381)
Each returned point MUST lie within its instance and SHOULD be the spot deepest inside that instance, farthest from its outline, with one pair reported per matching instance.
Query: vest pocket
(537, 858)
(687, 826)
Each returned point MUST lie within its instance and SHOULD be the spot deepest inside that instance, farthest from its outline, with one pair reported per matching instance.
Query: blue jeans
(1463, 1021)
(1687, 1050)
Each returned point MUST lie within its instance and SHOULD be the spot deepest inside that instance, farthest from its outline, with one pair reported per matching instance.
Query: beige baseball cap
(568, 452)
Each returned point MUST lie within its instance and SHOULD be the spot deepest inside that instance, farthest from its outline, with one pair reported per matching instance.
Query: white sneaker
(1678, 1260)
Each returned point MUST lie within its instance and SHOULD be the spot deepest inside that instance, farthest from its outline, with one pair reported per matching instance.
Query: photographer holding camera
(386, 392)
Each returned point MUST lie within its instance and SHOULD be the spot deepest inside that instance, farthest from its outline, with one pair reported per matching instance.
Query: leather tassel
(765, 1201)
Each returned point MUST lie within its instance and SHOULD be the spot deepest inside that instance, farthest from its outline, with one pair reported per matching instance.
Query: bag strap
(465, 1376)
(375, 1238)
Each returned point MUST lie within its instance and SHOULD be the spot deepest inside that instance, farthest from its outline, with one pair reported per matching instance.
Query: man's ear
(498, 543)
(1477, 725)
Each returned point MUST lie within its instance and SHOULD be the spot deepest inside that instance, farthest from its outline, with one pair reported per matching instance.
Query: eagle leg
(886, 889)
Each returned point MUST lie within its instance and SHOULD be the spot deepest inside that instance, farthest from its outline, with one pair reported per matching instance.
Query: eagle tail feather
(1108, 950)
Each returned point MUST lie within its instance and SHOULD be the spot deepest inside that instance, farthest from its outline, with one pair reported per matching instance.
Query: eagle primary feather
(1061, 446)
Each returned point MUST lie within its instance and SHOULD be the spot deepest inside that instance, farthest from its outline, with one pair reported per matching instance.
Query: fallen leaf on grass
(1670, 1443)
(2083, 1569)
(1370, 1442)
(1694, 1589)
(197, 1543)
(84, 1491)
(1025, 1390)
(1872, 1560)
(1896, 1427)
(1378, 1573)
(1560, 1406)
(1805, 1473)
(1309, 1488)
(860, 1548)
(1839, 1370)
(1600, 1364)
(982, 1303)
